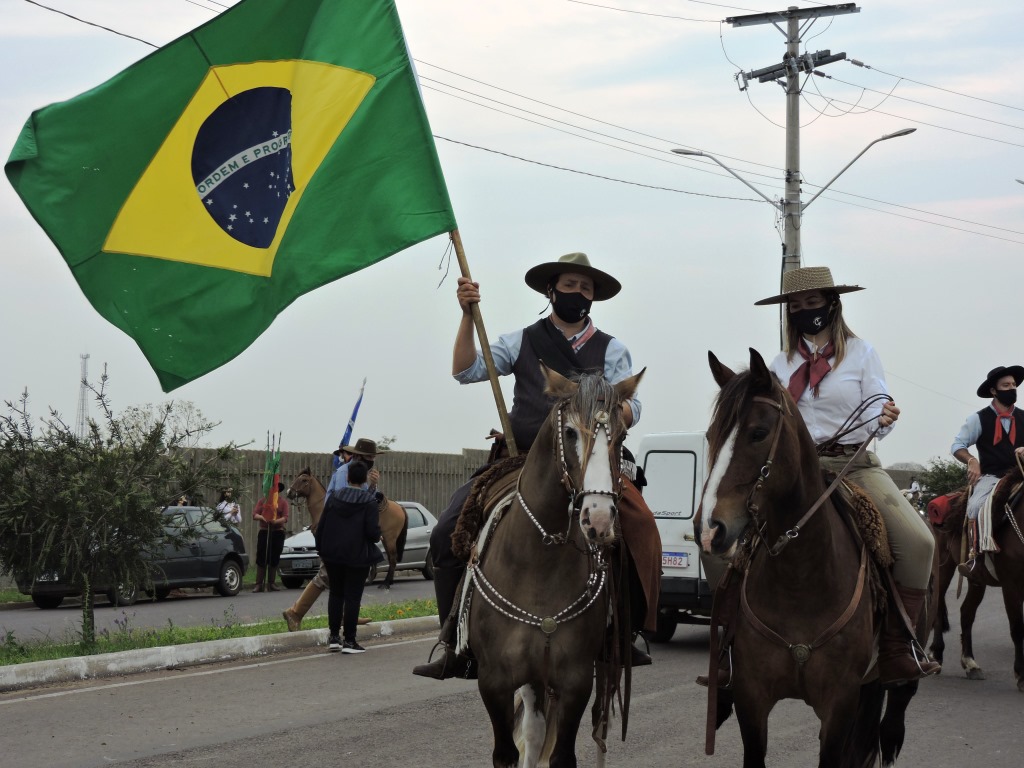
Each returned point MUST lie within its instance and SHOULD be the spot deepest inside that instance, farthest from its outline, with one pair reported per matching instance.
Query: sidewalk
(18, 676)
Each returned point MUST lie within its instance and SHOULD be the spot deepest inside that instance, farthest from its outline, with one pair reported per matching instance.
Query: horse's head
(301, 485)
(753, 453)
(588, 431)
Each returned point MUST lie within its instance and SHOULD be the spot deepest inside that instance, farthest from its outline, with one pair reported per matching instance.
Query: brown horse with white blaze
(806, 626)
(394, 523)
(538, 596)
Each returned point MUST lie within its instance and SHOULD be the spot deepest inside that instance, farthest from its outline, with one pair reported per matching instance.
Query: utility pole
(792, 67)
(82, 417)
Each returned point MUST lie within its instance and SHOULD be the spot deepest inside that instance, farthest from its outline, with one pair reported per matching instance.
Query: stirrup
(966, 568)
(724, 676)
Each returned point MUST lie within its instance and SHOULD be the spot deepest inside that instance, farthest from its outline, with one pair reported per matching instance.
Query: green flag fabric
(199, 192)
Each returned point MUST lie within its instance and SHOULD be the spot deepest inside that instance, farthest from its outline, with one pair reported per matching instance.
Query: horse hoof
(975, 673)
(384, 586)
(1020, 685)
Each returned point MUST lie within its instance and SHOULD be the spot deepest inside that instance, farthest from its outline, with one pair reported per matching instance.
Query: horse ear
(626, 388)
(306, 471)
(557, 384)
(723, 375)
(760, 376)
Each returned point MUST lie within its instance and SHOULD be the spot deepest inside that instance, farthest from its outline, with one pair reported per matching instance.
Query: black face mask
(810, 321)
(1006, 396)
(570, 307)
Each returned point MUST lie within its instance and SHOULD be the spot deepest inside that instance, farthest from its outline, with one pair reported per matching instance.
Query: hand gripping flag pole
(485, 347)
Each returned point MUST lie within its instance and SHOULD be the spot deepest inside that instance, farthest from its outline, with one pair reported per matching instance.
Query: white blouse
(843, 389)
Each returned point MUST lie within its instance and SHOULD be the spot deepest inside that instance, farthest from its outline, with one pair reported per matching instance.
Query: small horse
(538, 596)
(1009, 567)
(394, 523)
(806, 628)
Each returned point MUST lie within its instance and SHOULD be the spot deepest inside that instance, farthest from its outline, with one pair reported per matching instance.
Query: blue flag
(347, 438)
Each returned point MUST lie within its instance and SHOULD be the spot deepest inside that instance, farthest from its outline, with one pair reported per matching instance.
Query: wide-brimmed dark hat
(363, 447)
(341, 447)
(807, 279)
(605, 286)
(996, 374)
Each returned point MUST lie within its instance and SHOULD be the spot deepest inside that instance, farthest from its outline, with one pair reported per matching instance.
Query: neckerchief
(812, 371)
(999, 427)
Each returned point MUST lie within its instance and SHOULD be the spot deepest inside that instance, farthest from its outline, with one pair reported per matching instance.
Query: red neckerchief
(999, 427)
(812, 371)
(589, 331)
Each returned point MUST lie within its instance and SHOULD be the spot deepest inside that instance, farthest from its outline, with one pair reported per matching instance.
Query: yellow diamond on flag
(222, 189)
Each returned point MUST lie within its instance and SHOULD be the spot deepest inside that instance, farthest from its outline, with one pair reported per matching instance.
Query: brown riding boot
(261, 574)
(724, 680)
(294, 614)
(900, 659)
(271, 578)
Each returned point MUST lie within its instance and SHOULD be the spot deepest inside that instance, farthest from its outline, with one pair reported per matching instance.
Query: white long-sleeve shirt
(843, 389)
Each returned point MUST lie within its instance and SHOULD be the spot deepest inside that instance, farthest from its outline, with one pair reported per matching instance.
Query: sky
(572, 110)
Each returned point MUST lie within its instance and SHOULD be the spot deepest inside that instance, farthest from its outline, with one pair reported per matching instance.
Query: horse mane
(1002, 491)
(729, 407)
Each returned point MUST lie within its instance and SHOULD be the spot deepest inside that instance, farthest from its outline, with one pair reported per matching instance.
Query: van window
(671, 490)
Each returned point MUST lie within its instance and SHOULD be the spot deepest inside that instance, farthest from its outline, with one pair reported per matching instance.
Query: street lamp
(790, 207)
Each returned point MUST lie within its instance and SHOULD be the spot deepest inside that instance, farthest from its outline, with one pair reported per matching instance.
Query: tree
(942, 476)
(90, 508)
(384, 443)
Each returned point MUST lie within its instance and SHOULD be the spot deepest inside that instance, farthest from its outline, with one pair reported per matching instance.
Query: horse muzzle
(597, 519)
(717, 538)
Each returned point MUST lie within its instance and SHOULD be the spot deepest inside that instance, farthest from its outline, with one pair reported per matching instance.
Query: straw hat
(996, 374)
(605, 286)
(807, 279)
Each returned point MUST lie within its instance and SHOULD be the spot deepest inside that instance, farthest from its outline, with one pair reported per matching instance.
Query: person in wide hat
(568, 341)
(365, 451)
(829, 371)
(997, 432)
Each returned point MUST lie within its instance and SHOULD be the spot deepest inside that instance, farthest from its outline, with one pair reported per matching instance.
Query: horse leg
(533, 726)
(752, 717)
(566, 717)
(940, 621)
(389, 547)
(969, 609)
(1013, 600)
(501, 709)
(893, 727)
(838, 718)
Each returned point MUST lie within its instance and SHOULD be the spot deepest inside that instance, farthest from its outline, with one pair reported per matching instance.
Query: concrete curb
(18, 676)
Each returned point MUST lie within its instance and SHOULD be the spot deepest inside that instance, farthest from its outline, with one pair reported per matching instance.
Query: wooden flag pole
(485, 347)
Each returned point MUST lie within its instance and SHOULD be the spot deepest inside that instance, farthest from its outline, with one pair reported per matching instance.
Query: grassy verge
(126, 637)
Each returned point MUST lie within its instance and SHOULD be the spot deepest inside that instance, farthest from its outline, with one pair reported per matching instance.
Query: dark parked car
(299, 560)
(213, 556)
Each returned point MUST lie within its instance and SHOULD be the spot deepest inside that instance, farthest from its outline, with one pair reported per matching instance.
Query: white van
(674, 465)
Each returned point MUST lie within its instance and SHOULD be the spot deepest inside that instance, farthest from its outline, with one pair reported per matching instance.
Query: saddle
(489, 486)
(868, 527)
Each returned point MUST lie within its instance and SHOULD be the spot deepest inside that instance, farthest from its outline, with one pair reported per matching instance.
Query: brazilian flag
(199, 192)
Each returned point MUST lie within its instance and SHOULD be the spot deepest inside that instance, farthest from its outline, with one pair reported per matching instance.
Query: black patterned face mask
(810, 321)
(570, 307)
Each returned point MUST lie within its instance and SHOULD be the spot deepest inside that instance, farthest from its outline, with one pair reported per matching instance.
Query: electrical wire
(596, 175)
(93, 24)
(641, 13)
(861, 64)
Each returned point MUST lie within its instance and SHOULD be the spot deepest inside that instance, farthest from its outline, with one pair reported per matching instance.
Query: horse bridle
(602, 420)
(753, 508)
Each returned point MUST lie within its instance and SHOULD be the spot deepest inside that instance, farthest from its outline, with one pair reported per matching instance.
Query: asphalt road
(314, 708)
(193, 608)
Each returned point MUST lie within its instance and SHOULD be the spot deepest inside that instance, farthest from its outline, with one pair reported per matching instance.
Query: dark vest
(998, 459)
(530, 406)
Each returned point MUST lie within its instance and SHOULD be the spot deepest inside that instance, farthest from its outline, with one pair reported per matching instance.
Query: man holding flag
(272, 513)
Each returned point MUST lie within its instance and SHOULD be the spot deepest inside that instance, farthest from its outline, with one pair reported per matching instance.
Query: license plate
(675, 559)
(299, 564)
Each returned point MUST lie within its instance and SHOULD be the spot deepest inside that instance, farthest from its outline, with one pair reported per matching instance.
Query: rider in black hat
(998, 432)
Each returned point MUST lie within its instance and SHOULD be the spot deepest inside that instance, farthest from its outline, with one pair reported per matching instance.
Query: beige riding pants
(909, 536)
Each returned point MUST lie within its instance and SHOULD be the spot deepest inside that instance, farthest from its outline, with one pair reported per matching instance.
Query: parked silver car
(300, 561)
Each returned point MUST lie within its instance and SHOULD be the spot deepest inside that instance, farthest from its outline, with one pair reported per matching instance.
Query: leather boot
(899, 658)
(449, 663)
(294, 614)
(724, 675)
(271, 578)
(261, 574)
